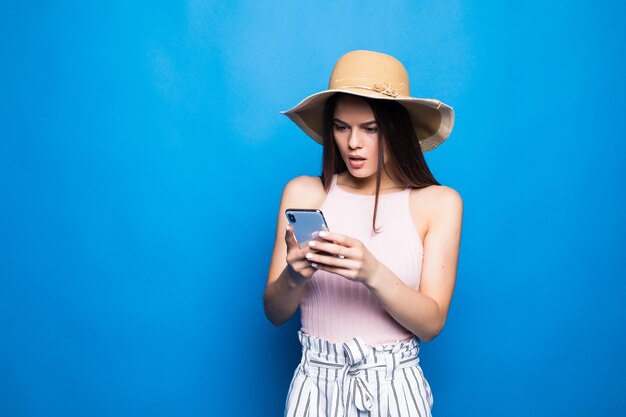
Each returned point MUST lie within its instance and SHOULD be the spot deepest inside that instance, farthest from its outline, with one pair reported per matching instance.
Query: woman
(381, 279)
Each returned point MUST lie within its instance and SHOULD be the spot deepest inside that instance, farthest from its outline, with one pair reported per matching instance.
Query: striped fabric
(354, 379)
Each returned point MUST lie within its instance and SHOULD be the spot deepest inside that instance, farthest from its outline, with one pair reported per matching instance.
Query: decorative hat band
(386, 90)
(378, 87)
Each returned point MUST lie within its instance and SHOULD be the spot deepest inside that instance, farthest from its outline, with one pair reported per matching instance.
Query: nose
(355, 139)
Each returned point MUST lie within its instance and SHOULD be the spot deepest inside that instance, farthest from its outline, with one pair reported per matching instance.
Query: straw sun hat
(378, 76)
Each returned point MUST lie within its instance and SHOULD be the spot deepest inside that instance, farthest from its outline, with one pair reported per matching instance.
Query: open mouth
(356, 161)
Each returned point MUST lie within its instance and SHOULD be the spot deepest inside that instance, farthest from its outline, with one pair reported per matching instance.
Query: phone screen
(306, 223)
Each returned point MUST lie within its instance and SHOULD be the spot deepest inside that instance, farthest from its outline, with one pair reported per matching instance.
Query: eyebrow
(362, 124)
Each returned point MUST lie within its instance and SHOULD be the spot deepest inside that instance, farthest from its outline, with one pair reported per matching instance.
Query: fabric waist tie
(350, 359)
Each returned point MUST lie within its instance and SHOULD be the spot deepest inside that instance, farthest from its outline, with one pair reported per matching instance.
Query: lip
(356, 156)
(357, 163)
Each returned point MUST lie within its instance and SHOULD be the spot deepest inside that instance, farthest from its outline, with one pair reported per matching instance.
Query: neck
(367, 185)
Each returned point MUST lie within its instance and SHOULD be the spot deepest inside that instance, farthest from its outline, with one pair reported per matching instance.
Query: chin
(360, 173)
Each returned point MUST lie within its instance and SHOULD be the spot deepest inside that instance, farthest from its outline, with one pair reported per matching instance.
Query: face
(356, 135)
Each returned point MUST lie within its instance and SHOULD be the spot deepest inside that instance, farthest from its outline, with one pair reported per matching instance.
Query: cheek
(342, 142)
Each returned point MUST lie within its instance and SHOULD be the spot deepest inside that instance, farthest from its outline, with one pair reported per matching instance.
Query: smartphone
(306, 223)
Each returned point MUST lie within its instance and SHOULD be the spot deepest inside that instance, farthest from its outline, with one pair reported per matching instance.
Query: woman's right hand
(299, 267)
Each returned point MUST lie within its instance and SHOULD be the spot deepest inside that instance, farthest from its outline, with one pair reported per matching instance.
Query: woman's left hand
(352, 261)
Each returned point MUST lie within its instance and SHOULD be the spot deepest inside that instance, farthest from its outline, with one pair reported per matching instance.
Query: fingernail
(311, 243)
(309, 256)
(314, 265)
(323, 233)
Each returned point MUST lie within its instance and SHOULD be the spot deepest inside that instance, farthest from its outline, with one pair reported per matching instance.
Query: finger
(304, 265)
(297, 253)
(290, 238)
(330, 260)
(343, 240)
(300, 264)
(331, 248)
(344, 272)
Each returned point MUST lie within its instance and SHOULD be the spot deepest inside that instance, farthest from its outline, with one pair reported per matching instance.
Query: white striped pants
(354, 379)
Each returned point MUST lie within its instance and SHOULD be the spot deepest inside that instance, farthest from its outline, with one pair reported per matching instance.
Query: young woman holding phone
(381, 279)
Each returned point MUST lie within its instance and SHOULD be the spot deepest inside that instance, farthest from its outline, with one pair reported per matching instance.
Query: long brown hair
(406, 160)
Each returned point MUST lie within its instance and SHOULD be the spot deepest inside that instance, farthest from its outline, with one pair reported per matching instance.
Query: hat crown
(372, 71)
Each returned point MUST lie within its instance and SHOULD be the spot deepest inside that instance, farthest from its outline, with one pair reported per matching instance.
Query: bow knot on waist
(352, 360)
(351, 380)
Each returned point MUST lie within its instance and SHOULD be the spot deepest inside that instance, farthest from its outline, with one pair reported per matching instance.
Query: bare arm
(282, 296)
(424, 312)
(289, 269)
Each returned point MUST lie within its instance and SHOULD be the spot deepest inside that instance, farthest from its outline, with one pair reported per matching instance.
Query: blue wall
(142, 158)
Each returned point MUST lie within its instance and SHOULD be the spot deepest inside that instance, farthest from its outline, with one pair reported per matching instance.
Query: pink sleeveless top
(337, 309)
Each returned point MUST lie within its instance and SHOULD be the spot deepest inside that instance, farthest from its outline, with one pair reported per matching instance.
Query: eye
(371, 129)
(340, 128)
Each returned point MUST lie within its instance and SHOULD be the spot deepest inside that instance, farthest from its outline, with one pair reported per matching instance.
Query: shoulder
(304, 192)
(437, 196)
(438, 201)
(303, 185)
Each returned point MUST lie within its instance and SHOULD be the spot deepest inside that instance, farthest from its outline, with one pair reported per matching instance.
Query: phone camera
(292, 218)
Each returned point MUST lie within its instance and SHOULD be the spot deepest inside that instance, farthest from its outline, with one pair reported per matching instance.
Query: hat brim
(432, 119)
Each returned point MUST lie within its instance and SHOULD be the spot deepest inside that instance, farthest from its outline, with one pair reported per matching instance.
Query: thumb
(290, 238)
